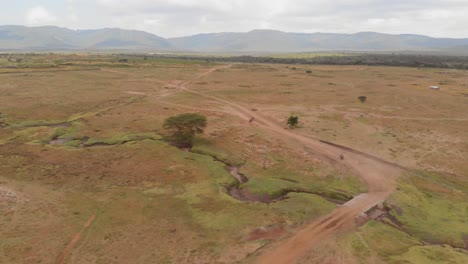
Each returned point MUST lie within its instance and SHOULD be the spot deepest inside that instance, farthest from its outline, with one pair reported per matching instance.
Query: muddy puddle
(62, 141)
(234, 171)
(58, 141)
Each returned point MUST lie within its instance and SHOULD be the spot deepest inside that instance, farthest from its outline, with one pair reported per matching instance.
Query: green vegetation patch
(42, 131)
(71, 131)
(432, 254)
(31, 134)
(211, 207)
(394, 246)
(301, 207)
(73, 143)
(273, 187)
(44, 134)
(121, 139)
(276, 181)
(433, 208)
(377, 237)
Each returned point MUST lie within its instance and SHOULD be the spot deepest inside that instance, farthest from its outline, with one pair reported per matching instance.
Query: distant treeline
(408, 60)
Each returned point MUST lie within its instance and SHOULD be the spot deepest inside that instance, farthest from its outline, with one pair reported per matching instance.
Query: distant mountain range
(51, 38)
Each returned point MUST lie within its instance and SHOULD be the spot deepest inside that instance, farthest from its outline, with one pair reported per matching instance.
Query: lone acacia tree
(293, 121)
(184, 127)
(362, 98)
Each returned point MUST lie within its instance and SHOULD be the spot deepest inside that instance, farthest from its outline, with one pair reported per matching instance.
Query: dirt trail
(75, 240)
(377, 174)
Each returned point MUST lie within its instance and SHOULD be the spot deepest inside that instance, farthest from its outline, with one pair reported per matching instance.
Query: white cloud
(169, 18)
(39, 15)
(182, 17)
(71, 11)
(151, 22)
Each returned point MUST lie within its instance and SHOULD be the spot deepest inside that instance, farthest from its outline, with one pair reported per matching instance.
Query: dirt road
(378, 175)
(76, 238)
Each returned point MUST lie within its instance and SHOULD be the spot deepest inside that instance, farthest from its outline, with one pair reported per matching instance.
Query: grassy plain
(81, 135)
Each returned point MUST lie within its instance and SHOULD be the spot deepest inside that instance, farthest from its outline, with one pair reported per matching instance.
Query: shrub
(293, 121)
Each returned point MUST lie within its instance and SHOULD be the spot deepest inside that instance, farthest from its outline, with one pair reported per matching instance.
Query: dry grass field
(86, 175)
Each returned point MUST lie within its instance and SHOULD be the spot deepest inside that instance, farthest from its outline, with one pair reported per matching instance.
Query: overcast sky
(170, 18)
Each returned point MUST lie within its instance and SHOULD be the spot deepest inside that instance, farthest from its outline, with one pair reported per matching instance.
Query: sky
(172, 18)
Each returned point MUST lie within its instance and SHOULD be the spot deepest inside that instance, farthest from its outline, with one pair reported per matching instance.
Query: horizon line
(239, 32)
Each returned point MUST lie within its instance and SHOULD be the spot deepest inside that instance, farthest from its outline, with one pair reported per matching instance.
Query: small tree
(184, 127)
(293, 121)
(362, 98)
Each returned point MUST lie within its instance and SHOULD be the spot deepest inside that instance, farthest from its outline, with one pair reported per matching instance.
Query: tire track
(76, 238)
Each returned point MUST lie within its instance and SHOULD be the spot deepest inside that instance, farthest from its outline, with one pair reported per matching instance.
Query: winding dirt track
(76, 238)
(379, 176)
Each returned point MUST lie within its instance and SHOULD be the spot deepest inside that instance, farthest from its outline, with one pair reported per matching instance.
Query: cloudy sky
(170, 18)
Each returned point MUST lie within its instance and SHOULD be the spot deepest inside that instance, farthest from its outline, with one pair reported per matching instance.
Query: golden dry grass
(157, 204)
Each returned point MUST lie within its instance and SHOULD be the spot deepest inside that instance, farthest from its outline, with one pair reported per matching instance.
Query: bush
(362, 98)
(293, 121)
